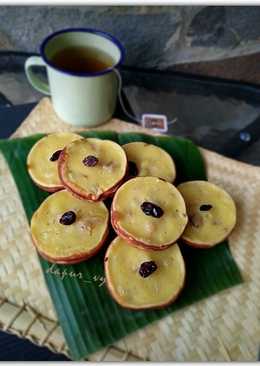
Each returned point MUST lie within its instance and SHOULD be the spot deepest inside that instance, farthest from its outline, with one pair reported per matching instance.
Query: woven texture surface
(221, 328)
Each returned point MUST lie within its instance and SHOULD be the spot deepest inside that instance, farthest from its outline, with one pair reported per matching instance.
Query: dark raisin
(132, 169)
(55, 156)
(205, 207)
(147, 268)
(90, 161)
(68, 218)
(151, 209)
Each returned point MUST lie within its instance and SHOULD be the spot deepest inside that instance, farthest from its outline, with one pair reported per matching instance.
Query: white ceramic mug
(81, 99)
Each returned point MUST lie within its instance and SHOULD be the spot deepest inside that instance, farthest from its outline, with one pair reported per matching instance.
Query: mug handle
(33, 79)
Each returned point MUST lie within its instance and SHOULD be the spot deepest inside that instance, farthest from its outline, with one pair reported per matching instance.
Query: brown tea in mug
(82, 59)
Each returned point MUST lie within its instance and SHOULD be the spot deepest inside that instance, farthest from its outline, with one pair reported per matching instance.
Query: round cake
(43, 158)
(211, 212)
(149, 160)
(141, 279)
(68, 230)
(92, 168)
(149, 212)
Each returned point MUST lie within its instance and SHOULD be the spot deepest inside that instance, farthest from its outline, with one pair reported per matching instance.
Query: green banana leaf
(89, 317)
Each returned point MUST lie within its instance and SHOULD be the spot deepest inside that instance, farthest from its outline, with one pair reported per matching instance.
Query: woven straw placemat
(223, 327)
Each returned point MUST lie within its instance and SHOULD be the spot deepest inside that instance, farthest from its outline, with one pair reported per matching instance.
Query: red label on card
(156, 122)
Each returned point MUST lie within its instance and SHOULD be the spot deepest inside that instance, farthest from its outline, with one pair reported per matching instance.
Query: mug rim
(84, 30)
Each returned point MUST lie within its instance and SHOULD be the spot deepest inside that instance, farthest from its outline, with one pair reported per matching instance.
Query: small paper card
(156, 122)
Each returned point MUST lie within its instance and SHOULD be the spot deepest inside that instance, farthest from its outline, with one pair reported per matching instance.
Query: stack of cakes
(144, 266)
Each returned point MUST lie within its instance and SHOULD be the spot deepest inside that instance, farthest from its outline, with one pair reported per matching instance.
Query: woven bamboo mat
(223, 327)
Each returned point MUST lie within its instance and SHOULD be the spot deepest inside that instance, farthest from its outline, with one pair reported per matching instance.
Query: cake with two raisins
(149, 212)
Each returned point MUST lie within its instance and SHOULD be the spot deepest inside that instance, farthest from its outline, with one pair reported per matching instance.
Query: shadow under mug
(79, 98)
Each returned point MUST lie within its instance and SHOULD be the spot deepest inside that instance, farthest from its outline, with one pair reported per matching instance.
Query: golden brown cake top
(149, 160)
(93, 166)
(43, 158)
(140, 278)
(211, 212)
(150, 210)
(65, 226)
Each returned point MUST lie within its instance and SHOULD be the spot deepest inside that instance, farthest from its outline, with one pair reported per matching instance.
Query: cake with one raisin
(92, 168)
(143, 279)
(68, 230)
(42, 160)
(211, 212)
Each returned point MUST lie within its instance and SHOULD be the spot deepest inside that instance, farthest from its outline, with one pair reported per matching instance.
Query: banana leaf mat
(89, 317)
